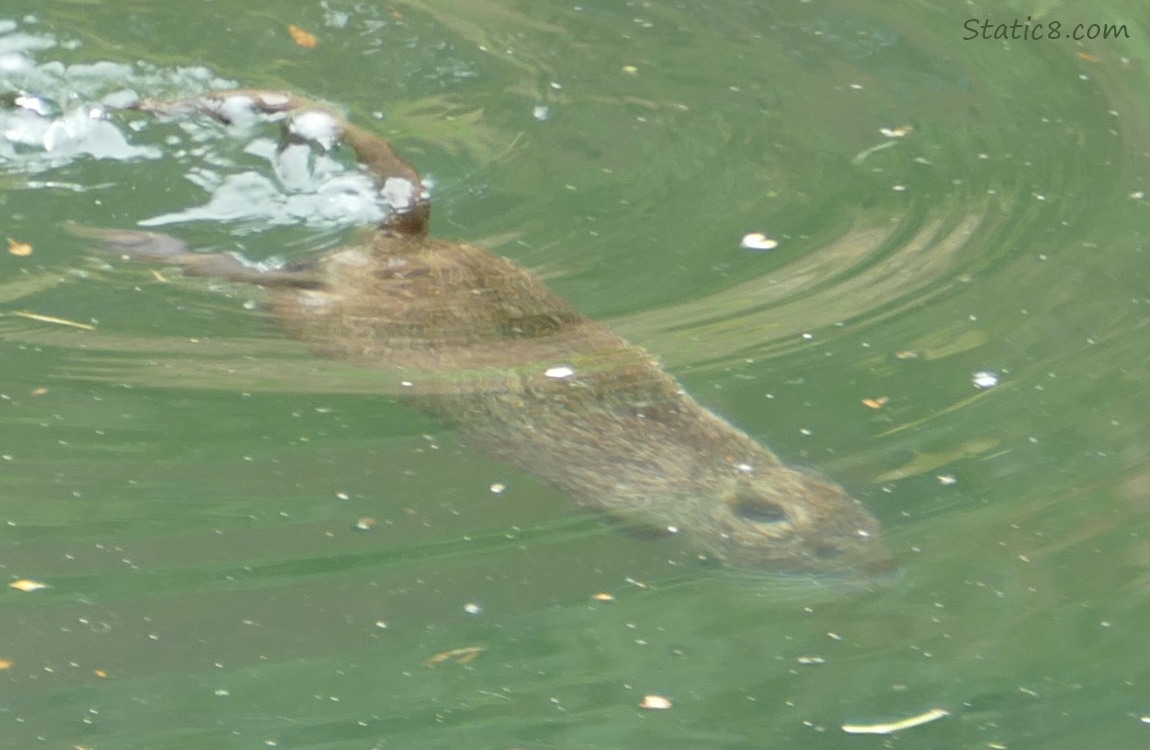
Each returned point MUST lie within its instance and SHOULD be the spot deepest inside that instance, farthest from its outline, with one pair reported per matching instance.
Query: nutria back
(485, 345)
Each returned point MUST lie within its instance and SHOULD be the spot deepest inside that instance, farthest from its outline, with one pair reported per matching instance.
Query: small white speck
(541, 112)
(758, 241)
(559, 372)
(985, 379)
(498, 488)
(472, 608)
(946, 480)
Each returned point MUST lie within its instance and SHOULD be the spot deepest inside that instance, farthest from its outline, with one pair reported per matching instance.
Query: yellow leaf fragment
(19, 249)
(303, 38)
(875, 403)
(6, 664)
(899, 132)
(933, 714)
(603, 596)
(27, 585)
(53, 319)
(464, 655)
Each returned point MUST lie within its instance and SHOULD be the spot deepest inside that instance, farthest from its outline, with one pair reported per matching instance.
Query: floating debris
(472, 608)
(758, 242)
(602, 596)
(303, 38)
(53, 319)
(464, 655)
(655, 703)
(875, 403)
(559, 372)
(366, 523)
(898, 132)
(27, 585)
(19, 249)
(811, 660)
(947, 480)
(890, 728)
(498, 488)
(984, 379)
(863, 155)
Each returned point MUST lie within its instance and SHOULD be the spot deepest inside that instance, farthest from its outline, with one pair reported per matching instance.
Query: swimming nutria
(484, 344)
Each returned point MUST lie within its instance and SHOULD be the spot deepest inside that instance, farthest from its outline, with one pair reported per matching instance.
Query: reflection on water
(180, 484)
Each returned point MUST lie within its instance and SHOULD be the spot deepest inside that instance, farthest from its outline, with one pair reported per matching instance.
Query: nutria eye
(760, 511)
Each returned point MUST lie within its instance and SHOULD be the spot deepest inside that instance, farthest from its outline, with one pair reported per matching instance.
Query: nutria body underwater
(485, 345)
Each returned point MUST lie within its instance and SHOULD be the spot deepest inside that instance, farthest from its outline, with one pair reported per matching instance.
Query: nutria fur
(482, 343)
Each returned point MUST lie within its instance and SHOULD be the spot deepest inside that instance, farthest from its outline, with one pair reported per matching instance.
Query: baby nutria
(483, 344)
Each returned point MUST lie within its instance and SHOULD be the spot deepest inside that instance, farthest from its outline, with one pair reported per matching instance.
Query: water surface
(187, 481)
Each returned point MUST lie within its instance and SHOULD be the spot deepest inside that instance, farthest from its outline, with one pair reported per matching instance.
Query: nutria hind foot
(155, 247)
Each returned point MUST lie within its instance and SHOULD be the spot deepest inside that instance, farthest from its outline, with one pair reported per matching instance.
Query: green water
(187, 481)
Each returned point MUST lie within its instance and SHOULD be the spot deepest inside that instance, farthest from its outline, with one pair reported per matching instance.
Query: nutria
(482, 343)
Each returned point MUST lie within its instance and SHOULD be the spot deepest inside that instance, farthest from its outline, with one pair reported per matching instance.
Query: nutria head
(775, 517)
